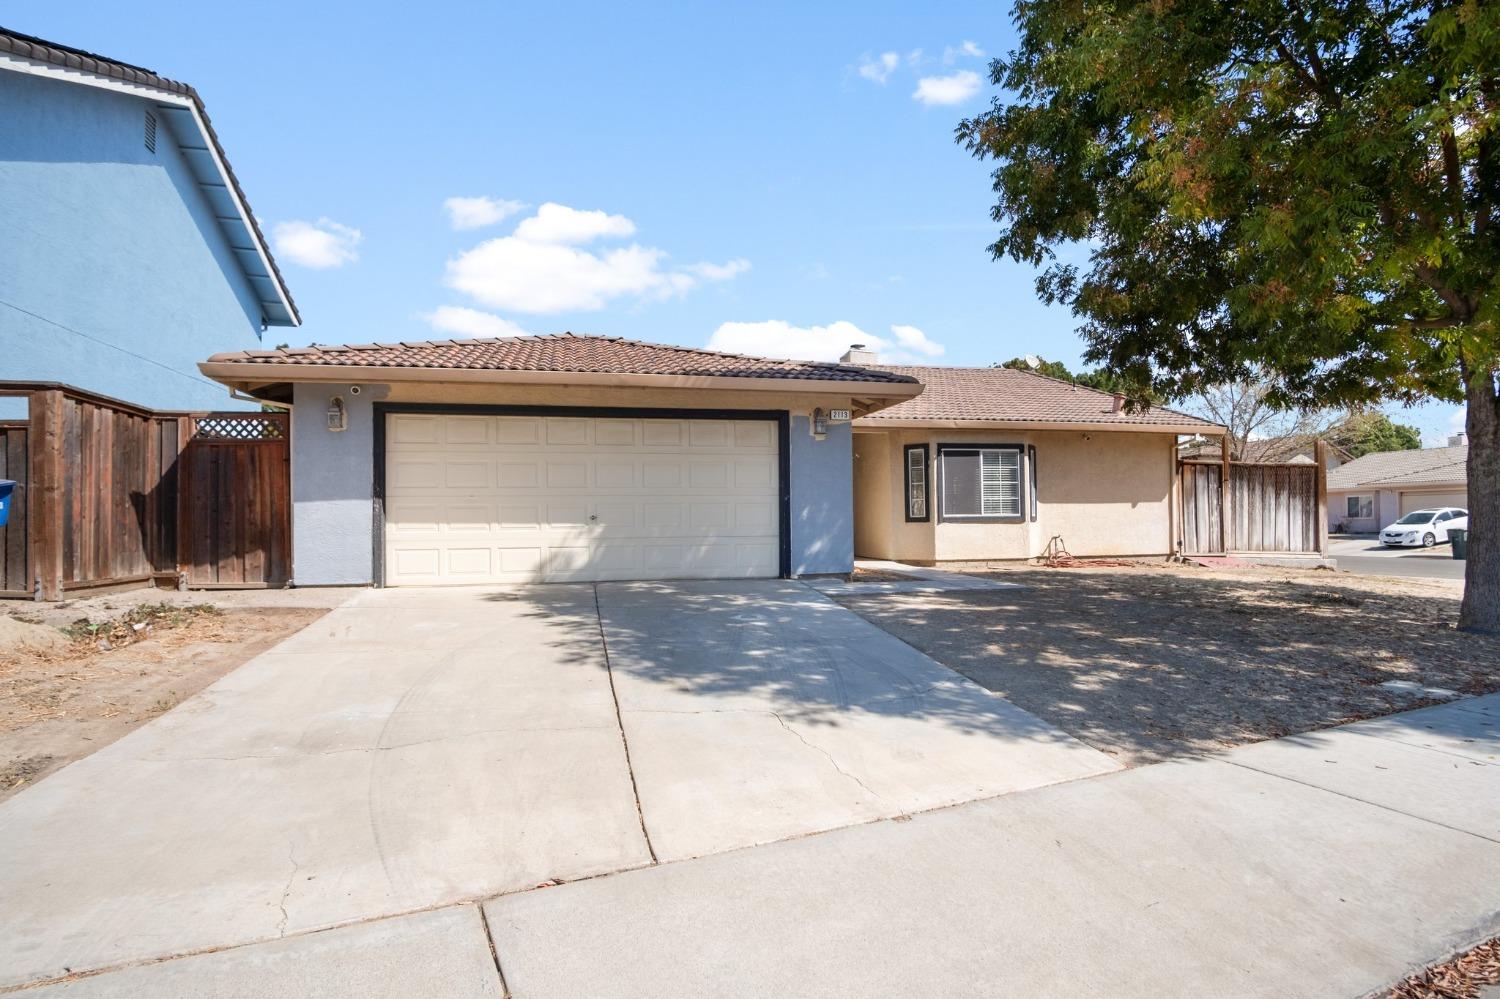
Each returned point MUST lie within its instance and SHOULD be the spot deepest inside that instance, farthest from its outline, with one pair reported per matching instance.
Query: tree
(1301, 189)
(1052, 369)
(1247, 408)
(1365, 433)
(1095, 378)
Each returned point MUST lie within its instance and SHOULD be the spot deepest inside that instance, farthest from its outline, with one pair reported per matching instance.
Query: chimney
(1118, 404)
(857, 354)
(1457, 440)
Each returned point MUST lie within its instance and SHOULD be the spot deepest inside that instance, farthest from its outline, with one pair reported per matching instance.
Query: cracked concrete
(727, 696)
(416, 753)
(420, 748)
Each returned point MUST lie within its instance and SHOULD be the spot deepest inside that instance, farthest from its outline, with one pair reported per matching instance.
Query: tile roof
(559, 352)
(1432, 466)
(1007, 395)
(78, 60)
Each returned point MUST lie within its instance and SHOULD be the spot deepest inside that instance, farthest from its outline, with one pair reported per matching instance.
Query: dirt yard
(1152, 661)
(75, 677)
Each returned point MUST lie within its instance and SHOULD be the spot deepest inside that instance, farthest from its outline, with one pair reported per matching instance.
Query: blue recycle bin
(7, 486)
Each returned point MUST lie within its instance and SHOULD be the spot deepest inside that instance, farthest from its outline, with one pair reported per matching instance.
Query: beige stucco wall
(873, 498)
(1104, 492)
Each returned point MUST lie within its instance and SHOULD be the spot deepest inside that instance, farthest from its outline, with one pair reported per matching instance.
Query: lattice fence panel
(231, 427)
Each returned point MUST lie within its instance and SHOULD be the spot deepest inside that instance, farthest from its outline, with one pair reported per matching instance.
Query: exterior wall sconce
(819, 423)
(338, 416)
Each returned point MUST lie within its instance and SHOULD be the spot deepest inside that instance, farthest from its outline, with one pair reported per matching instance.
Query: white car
(1425, 527)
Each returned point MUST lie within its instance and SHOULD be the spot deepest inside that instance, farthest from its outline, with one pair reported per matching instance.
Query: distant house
(128, 252)
(992, 463)
(1370, 492)
(1299, 449)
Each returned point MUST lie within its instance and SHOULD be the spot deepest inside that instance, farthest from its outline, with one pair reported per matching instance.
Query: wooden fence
(15, 564)
(1253, 508)
(112, 494)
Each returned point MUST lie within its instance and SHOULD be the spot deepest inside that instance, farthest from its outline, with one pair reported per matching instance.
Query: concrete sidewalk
(1323, 865)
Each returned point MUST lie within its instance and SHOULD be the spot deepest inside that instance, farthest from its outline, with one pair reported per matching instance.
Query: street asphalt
(1369, 557)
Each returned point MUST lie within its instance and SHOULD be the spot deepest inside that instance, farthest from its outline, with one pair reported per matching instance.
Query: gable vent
(151, 131)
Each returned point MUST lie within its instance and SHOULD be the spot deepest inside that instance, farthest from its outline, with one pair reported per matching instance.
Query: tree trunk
(1481, 606)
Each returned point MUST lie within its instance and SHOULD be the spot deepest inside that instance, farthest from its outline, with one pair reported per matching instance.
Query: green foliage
(1095, 378)
(1366, 433)
(1308, 189)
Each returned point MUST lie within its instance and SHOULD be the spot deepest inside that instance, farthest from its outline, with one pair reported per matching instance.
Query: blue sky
(776, 178)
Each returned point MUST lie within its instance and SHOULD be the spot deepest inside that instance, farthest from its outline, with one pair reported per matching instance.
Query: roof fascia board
(12, 62)
(239, 373)
(1083, 425)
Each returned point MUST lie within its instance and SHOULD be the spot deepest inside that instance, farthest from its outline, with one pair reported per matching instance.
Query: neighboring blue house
(127, 250)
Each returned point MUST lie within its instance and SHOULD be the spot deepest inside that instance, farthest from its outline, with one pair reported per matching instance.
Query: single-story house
(563, 458)
(1377, 489)
(992, 463)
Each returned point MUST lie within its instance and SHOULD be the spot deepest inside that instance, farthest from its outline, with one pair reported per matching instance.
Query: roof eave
(884, 423)
(242, 374)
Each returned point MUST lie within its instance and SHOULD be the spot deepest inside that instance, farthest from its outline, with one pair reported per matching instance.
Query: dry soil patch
(64, 695)
(1151, 661)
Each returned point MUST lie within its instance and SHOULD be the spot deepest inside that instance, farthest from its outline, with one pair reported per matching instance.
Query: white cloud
(778, 338)
(535, 269)
(967, 50)
(470, 322)
(955, 88)
(719, 272)
(475, 213)
(880, 67)
(915, 341)
(320, 245)
(554, 223)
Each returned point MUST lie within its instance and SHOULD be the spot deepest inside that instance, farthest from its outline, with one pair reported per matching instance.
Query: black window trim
(926, 483)
(1020, 450)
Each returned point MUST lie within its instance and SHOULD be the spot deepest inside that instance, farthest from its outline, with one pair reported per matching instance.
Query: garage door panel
(755, 434)
(407, 428)
(473, 562)
(567, 432)
(614, 473)
(663, 433)
(615, 433)
(657, 474)
(467, 474)
(708, 474)
(512, 499)
(517, 430)
(467, 430)
(512, 474)
(413, 474)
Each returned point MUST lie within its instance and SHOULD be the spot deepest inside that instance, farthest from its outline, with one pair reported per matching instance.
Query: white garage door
(1429, 501)
(501, 499)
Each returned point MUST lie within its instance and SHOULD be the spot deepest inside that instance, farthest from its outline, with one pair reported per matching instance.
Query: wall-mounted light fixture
(338, 417)
(819, 423)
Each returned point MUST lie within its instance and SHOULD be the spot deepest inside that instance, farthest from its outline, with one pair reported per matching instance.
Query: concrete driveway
(417, 748)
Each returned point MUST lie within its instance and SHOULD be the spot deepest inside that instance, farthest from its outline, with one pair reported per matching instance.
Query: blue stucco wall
(102, 236)
(332, 479)
(333, 475)
(822, 499)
